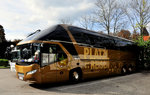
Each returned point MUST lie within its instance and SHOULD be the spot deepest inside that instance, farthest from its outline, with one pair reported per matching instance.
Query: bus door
(48, 62)
(62, 65)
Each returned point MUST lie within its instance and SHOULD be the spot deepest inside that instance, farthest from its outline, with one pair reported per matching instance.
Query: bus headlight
(31, 72)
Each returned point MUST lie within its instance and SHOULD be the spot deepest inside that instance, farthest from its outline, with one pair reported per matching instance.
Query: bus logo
(95, 53)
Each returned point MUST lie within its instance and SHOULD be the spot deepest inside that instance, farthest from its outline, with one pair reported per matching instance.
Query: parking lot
(133, 84)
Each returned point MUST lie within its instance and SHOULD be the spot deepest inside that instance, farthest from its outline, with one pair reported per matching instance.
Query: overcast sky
(21, 17)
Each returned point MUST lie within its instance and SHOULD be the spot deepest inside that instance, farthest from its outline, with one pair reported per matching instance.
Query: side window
(86, 39)
(52, 53)
(45, 55)
(45, 48)
(61, 55)
(48, 54)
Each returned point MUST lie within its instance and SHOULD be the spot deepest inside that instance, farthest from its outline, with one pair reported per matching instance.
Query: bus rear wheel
(130, 69)
(75, 76)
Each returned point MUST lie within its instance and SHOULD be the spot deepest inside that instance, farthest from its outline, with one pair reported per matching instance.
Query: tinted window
(39, 34)
(123, 44)
(91, 38)
(58, 34)
(70, 48)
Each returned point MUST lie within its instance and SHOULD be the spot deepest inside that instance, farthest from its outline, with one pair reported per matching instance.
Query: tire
(124, 70)
(75, 76)
(146, 65)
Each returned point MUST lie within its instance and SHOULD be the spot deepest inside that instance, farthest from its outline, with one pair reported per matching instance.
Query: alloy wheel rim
(130, 69)
(124, 70)
(76, 75)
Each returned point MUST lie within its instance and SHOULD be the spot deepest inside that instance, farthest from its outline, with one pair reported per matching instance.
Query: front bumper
(21, 72)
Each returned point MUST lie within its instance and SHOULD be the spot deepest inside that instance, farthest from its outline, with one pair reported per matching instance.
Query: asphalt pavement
(133, 84)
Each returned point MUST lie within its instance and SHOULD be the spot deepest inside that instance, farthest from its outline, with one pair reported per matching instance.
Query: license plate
(21, 78)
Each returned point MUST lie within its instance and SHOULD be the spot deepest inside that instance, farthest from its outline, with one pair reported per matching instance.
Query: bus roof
(97, 33)
(59, 32)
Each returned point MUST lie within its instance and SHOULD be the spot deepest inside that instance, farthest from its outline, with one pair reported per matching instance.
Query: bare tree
(68, 21)
(129, 16)
(118, 19)
(139, 14)
(109, 15)
(86, 22)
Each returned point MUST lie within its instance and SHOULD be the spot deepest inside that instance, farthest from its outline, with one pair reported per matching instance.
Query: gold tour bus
(63, 52)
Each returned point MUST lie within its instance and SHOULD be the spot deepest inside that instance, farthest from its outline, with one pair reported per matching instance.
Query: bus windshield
(29, 52)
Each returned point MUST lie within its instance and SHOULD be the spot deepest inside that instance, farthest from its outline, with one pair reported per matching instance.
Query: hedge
(4, 62)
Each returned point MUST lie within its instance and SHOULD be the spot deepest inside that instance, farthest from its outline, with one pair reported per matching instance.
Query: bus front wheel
(75, 76)
(124, 70)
